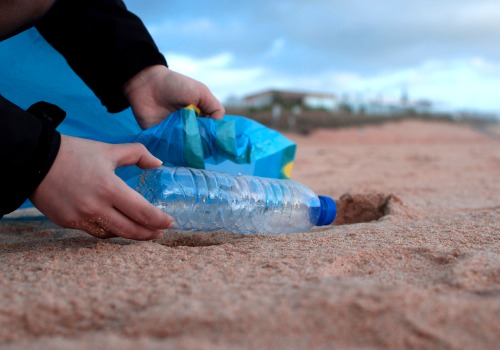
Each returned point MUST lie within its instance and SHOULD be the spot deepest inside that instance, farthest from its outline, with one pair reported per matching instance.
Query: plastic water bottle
(206, 200)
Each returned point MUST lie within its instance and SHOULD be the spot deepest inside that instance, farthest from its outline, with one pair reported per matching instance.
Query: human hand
(157, 91)
(82, 191)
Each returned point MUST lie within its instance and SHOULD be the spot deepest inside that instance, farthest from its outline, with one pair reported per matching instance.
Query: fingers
(139, 210)
(127, 201)
(134, 154)
(115, 224)
(218, 114)
(127, 214)
(82, 191)
(93, 228)
(209, 105)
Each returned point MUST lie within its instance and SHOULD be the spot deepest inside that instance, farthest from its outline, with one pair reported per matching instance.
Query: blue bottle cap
(327, 211)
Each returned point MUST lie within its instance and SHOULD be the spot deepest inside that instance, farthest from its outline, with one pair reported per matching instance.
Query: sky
(445, 51)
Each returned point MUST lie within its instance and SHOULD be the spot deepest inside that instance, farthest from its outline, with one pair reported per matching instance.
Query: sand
(413, 262)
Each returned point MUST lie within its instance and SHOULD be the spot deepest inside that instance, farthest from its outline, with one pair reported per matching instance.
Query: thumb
(134, 154)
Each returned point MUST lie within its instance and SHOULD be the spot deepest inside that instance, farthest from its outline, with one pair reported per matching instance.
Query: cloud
(216, 72)
(458, 84)
(359, 32)
(439, 49)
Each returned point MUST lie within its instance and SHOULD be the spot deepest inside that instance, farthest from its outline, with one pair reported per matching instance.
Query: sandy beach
(413, 261)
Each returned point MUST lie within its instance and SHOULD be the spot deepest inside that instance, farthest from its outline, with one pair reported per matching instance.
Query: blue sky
(447, 51)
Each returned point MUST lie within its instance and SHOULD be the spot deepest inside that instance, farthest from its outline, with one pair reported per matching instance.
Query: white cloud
(441, 50)
(190, 66)
(458, 84)
(277, 47)
(478, 14)
(461, 83)
(215, 72)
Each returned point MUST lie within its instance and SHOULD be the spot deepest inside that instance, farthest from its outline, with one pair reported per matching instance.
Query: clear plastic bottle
(206, 200)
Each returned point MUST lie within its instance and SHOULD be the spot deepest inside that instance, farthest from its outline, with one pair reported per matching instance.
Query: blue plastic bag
(31, 71)
(234, 145)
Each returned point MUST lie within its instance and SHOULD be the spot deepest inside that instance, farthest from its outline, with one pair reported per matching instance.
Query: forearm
(104, 43)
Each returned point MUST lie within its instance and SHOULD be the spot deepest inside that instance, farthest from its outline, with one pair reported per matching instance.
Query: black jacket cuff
(29, 145)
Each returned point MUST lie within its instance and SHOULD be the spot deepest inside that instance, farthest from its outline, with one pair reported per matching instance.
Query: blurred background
(358, 57)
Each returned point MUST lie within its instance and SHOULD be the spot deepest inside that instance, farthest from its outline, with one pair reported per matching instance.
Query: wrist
(142, 79)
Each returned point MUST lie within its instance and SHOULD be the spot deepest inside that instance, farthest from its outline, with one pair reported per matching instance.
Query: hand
(157, 91)
(82, 191)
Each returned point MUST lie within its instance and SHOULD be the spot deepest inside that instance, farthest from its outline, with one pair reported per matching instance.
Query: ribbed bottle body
(207, 200)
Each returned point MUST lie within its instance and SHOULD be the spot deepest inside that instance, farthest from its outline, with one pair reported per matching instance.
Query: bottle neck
(327, 211)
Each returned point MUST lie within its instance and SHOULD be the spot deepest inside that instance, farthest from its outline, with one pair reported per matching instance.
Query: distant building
(289, 99)
(234, 101)
(389, 107)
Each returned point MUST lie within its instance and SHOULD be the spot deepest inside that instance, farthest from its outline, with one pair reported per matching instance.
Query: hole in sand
(367, 207)
(192, 239)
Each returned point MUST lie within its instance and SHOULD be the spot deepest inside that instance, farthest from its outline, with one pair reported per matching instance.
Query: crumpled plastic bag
(234, 145)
